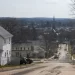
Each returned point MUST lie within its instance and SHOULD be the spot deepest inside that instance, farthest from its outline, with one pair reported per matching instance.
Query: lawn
(70, 51)
(11, 67)
(73, 55)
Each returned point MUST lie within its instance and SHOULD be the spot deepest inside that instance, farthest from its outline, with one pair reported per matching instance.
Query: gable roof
(4, 33)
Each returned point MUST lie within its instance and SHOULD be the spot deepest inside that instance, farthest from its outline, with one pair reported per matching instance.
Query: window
(21, 48)
(5, 54)
(10, 52)
(5, 41)
(9, 40)
(12, 48)
(24, 48)
(32, 48)
(20, 55)
(17, 54)
(28, 48)
(16, 48)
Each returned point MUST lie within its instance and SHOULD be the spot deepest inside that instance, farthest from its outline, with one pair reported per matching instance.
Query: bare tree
(73, 7)
(50, 43)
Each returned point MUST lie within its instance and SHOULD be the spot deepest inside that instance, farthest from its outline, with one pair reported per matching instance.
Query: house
(39, 51)
(22, 50)
(31, 49)
(5, 46)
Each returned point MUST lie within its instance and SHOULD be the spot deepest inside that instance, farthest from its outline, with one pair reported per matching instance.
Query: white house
(31, 49)
(22, 49)
(5, 46)
(39, 52)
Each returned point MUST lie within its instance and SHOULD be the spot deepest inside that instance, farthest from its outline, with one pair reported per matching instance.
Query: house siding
(22, 49)
(1, 42)
(5, 59)
(5, 46)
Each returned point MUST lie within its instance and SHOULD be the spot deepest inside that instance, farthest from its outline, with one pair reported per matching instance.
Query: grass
(5, 66)
(70, 49)
(73, 55)
(11, 67)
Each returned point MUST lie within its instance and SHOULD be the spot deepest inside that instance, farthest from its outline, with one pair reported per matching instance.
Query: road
(63, 50)
(60, 66)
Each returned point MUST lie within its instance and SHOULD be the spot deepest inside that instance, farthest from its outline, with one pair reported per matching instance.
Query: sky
(35, 8)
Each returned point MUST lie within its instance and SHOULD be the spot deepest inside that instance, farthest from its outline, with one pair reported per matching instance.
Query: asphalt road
(59, 66)
(64, 57)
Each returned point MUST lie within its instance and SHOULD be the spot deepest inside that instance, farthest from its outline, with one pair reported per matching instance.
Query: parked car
(25, 60)
(29, 61)
(56, 57)
(65, 49)
(22, 61)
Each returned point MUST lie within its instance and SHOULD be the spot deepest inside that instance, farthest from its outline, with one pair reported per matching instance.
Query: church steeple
(53, 26)
(53, 18)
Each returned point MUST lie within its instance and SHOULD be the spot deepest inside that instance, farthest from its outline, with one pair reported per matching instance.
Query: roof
(4, 33)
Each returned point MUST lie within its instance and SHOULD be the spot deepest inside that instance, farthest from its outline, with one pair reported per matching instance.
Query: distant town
(34, 37)
(36, 40)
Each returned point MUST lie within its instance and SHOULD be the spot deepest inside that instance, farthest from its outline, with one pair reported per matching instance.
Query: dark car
(65, 49)
(25, 60)
(22, 61)
(29, 61)
(56, 57)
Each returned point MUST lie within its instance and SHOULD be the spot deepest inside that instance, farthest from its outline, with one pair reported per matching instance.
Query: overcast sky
(35, 8)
